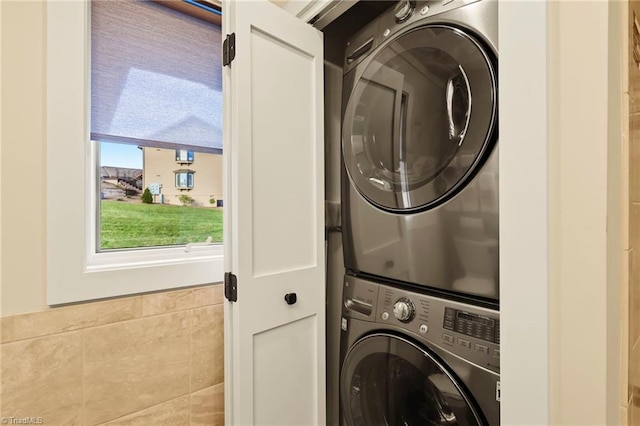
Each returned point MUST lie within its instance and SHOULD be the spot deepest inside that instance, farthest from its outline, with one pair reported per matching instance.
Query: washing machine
(412, 359)
(419, 146)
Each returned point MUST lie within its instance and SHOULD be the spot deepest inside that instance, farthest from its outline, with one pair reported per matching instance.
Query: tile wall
(631, 286)
(153, 359)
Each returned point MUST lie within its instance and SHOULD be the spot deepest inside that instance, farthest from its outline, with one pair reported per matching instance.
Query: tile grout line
(111, 323)
(78, 328)
(81, 329)
(138, 316)
(144, 409)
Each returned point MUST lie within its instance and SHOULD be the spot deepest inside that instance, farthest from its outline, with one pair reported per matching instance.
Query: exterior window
(184, 156)
(155, 102)
(121, 226)
(184, 179)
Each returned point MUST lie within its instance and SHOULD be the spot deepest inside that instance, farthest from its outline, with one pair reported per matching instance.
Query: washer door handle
(291, 298)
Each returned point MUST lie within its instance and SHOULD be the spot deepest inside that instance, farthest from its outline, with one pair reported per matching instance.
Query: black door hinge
(230, 287)
(228, 49)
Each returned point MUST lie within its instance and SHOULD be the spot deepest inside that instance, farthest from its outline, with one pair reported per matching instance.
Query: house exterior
(170, 173)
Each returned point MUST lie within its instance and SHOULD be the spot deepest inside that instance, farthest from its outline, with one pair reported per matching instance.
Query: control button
(403, 310)
(496, 353)
(481, 348)
(404, 10)
(464, 343)
(386, 32)
(447, 338)
(423, 329)
(424, 10)
(344, 324)
(385, 316)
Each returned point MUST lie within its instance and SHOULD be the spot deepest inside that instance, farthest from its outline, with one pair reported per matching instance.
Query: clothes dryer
(419, 145)
(412, 359)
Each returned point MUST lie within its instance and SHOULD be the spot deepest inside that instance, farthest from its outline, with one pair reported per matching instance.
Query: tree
(147, 198)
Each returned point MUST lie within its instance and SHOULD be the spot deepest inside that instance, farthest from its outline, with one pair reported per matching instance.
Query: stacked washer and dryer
(420, 340)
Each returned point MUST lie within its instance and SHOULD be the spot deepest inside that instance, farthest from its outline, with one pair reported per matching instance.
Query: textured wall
(143, 360)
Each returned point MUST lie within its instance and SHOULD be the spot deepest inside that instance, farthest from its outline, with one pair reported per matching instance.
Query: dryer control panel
(471, 332)
(406, 13)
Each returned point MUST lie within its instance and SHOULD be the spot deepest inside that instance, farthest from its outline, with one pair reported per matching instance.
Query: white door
(274, 218)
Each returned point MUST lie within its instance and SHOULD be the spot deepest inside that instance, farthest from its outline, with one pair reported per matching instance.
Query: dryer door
(420, 118)
(387, 380)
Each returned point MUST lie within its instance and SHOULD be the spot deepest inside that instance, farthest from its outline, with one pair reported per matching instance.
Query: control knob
(403, 310)
(404, 10)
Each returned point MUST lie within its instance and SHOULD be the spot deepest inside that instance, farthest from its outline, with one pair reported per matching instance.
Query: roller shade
(156, 77)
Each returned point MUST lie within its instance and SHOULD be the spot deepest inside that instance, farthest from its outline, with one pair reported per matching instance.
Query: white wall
(578, 142)
(559, 284)
(0, 165)
(524, 204)
(22, 158)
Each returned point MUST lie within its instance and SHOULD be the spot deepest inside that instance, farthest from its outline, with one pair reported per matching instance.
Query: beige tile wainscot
(138, 360)
(207, 340)
(207, 406)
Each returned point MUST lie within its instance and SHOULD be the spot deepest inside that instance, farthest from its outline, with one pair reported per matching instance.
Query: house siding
(160, 166)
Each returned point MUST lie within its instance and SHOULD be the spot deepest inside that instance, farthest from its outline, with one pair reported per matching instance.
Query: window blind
(156, 77)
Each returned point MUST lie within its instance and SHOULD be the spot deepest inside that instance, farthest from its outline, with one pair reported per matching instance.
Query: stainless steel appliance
(419, 146)
(412, 359)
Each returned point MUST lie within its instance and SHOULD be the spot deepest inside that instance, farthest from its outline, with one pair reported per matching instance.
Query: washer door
(419, 119)
(387, 380)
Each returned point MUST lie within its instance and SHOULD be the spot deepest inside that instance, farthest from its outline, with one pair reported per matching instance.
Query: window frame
(76, 271)
(189, 175)
(189, 154)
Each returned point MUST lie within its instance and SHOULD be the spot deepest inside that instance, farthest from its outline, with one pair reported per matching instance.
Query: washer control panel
(403, 310)
(471, 324)
(471, 332)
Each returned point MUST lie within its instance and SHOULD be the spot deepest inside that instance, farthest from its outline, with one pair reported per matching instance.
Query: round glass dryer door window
(420, 118)
(387, 380)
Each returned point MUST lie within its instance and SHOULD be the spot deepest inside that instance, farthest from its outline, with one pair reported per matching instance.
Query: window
(184, 179)
(155, 91)
(146, 105)
(183, 156)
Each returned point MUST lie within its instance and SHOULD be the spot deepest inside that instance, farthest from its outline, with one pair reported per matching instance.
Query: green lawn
(126, 225)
